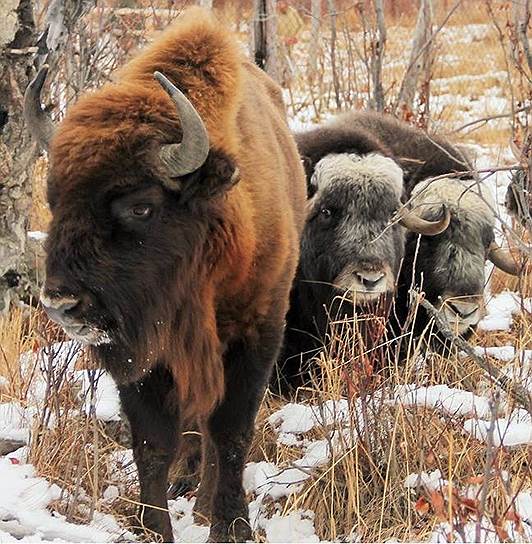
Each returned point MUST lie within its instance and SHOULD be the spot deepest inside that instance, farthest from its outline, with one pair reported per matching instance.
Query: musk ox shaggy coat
(350, 258)
(420, 155)
(359, 167)
(179, 285)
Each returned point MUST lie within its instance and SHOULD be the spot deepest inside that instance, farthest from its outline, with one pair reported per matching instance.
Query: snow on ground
(500, 310)
(26, 509)
(454, 402)
(25, 512)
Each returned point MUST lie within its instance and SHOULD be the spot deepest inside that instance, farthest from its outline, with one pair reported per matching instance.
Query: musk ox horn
(187, 156)
(422, 226)
(39, 123)
(503, 259)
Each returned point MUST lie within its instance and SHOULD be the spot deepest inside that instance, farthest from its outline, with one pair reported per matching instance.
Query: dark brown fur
(421, 155)
(194, 305)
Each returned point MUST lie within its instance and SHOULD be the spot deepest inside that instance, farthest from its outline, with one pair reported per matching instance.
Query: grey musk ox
(351, 249)
(450, 268)
(172, 249)
(351, 242)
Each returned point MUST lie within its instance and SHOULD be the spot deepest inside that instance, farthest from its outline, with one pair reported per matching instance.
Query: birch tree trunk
(420, 52)
(315, 38)
(17, 152)
(377, 55)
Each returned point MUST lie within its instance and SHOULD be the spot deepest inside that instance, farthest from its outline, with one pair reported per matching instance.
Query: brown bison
(172, 248)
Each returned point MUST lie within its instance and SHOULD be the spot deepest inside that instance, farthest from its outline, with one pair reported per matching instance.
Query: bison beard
(178, 272)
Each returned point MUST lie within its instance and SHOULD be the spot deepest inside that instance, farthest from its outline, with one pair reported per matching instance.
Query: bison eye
(325, 213)
(140, 211)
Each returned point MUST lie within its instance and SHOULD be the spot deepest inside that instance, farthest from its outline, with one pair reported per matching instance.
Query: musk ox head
(450, 267)
(349, 242)
(133, 233)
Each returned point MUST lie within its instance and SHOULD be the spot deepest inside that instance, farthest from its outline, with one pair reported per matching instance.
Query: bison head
(131, 232)
(350, 242)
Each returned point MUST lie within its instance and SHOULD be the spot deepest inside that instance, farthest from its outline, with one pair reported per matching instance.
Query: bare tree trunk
(334, 69)
(377, 55)
(521, 11)
(18, 48)
(419, 54)
(17, 36)
(314, 38)
(272, 46)
(265, 37)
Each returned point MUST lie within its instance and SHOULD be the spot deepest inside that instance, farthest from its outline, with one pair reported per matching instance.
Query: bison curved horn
(503, 259)
(423, 226)
(187, 156)
(39, 123)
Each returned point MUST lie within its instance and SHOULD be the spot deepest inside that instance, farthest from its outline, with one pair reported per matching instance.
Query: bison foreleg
(248, 365)
(151, 407)
(209, 477)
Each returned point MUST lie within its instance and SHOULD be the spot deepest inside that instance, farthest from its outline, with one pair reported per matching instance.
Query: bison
(176, 217)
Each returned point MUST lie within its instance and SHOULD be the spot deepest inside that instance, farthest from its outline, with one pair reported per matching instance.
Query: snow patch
(453, 401)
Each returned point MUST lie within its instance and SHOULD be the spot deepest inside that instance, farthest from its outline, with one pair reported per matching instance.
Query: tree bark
(315, 38)
(420, 46)
(377, 55)
(331, 6)
(17, 152)
(522, 13)
(19, 48)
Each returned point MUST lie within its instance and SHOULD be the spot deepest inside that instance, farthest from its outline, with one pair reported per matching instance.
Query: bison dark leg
(248, 365)
(209, 477)
(151, 407)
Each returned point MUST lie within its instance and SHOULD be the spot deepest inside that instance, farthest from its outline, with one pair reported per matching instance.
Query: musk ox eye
(326, 212)
(140, 211)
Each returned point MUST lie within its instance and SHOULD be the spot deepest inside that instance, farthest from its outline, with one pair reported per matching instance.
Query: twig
(492, 117)
(517, 391)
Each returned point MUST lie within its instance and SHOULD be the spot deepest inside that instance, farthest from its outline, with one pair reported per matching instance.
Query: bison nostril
(59, 308)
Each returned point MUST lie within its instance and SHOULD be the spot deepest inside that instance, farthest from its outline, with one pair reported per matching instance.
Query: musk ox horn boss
(172, 249)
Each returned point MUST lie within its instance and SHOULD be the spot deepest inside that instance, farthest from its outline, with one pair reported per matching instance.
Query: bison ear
(217, 175)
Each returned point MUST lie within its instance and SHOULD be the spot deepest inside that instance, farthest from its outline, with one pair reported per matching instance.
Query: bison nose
(370, 280)
(60, 308)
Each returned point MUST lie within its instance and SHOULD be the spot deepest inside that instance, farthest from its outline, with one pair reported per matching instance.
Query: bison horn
(39, 123)
(423, 226)
(187, 156)
(503, 259)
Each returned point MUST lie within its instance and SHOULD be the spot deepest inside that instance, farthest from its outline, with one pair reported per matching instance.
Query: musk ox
(172, 249)
(450, 268)
(423, 156)
(351, 253)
